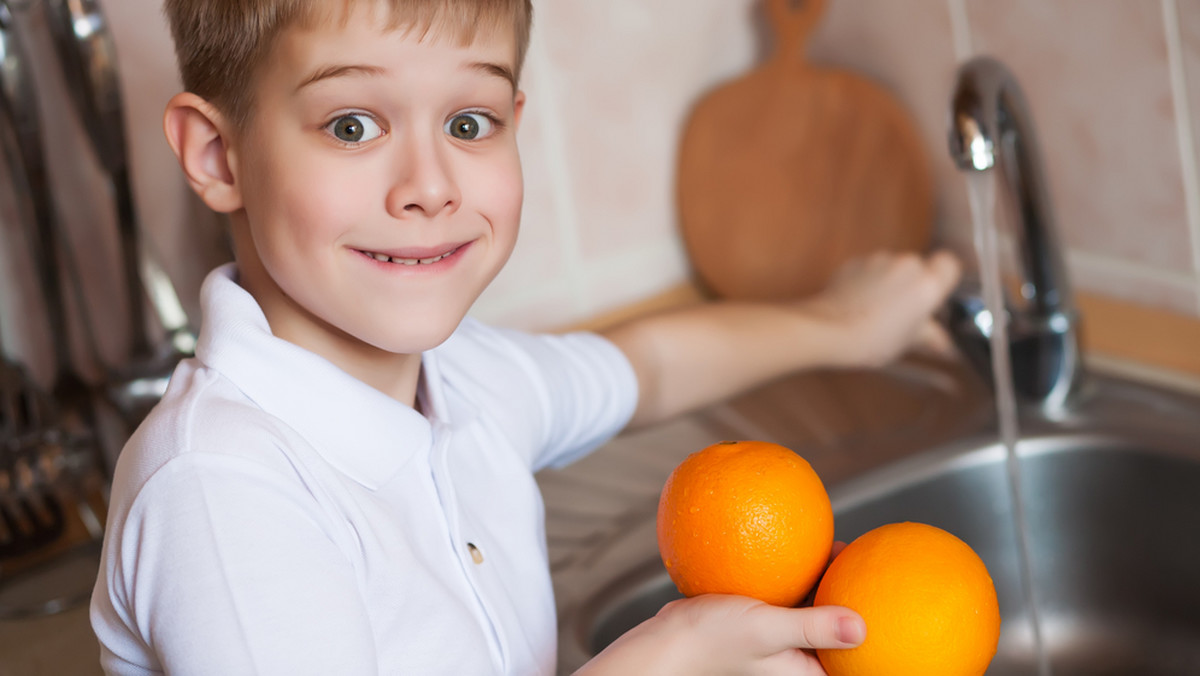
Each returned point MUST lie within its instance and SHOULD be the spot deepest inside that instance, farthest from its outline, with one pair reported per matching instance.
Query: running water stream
(981, 190)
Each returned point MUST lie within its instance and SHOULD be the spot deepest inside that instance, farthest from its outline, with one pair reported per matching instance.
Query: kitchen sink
(1111, 496)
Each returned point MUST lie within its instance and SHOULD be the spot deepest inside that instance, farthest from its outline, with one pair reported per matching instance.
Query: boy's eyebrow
(328, 72)
(498, 70)
(338, 70)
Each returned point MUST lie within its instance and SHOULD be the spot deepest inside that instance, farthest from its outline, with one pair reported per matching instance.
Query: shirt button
(476, 555)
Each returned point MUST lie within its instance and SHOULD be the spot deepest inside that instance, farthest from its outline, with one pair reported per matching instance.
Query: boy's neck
(396, 375)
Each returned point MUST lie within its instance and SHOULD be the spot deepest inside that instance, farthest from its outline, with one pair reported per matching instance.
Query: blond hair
(219, 44)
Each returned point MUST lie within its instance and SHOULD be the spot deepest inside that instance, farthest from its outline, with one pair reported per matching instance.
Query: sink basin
(1112, 502)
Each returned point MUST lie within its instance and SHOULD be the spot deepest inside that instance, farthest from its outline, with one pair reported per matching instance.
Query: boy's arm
(874, 310)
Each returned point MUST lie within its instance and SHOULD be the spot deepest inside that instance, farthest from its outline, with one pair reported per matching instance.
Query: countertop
(600, 510)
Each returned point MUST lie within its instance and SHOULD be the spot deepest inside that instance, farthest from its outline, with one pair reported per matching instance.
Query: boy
(341, 482)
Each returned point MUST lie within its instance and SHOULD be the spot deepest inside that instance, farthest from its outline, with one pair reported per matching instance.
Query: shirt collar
(357, 429)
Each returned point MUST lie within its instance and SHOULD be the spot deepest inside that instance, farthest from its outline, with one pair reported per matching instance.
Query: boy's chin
(411, 328)
(414, 342)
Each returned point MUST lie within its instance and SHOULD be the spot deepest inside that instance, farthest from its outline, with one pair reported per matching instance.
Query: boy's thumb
(819, 627)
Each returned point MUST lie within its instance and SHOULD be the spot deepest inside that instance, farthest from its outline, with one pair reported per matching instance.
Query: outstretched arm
(874, 310)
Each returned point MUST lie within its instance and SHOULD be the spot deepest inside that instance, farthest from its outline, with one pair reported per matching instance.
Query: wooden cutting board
(792, 169)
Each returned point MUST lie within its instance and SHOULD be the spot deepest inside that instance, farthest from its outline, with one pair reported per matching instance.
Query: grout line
(1183, 128)
(960, 26)
(1130, 268)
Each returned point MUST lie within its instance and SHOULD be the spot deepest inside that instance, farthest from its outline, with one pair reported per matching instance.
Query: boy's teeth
(408, 261)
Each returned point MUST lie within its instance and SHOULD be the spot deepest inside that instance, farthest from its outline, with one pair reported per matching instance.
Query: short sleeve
(558, 395)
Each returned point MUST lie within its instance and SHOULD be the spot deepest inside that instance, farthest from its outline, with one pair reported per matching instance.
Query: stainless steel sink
(1112, 501)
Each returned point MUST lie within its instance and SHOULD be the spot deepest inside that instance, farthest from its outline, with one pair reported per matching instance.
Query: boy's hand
(883, 306)
(719, 634)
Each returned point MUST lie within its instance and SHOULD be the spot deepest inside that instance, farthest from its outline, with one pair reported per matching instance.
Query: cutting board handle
(793, 21)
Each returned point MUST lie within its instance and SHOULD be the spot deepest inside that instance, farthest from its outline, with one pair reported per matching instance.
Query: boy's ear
(518, 108)
(196, 131)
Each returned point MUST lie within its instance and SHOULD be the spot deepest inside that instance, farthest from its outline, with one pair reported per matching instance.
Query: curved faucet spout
(990, 127)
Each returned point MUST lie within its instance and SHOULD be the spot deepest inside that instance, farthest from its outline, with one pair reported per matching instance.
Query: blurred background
(1110, 84)
(1113, 86)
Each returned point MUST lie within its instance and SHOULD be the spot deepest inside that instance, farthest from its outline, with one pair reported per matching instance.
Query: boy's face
(380, 182)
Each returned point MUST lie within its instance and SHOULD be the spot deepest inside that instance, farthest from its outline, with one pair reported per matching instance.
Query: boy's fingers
(946, 269)
(933, 339)
(812, 628)
(838, 546)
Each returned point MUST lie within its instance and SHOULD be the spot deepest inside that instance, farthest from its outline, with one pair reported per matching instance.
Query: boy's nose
(424, 184)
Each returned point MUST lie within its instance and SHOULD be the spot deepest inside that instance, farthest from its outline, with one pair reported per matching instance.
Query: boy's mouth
(416, 260)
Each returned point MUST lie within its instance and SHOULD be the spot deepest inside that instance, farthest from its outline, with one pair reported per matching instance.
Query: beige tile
(620, 281)
(544, 307)
(624, 75)
(541, 256)
(908, 48)
(1096, 76)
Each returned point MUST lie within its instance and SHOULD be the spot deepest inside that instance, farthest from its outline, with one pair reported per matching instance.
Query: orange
(926, 596)
(745, 517)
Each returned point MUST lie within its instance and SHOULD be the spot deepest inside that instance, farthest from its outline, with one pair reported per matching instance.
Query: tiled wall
(1110, 82)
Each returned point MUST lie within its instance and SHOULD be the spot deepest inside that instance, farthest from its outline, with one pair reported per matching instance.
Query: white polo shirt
(274, 515)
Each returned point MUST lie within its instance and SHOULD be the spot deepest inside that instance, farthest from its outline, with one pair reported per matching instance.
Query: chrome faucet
(991, 129)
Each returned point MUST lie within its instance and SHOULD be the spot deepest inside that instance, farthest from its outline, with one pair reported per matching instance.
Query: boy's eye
(354, 129)
(470, 126)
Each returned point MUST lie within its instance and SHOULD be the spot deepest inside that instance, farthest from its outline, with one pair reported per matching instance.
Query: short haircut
(220, 44)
